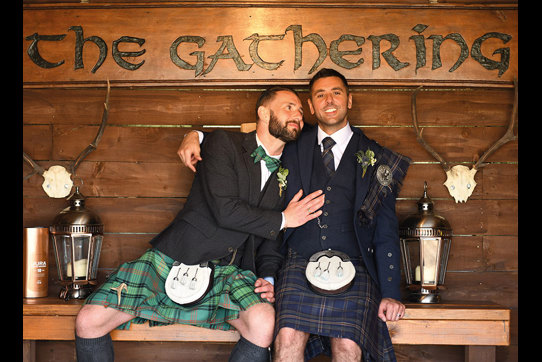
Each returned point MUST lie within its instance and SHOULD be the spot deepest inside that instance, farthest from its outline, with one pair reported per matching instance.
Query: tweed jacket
(374, 218)
(225, 209)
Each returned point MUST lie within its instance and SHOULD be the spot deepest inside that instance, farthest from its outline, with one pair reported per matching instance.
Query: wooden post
(480, 353)
(29, 350)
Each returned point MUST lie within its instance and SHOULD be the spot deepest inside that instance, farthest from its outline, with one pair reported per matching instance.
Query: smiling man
(329, 101)
(361, 180)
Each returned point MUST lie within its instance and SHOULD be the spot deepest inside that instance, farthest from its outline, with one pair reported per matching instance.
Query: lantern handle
(80, 179)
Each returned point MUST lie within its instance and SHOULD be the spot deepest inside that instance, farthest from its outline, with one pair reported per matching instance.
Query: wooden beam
(446, 324)
(172, 333)
(450, 332)
(480, 353)
(261, 45)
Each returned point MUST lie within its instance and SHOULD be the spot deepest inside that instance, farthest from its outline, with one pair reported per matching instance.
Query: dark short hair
(268, 95)
(324, 73)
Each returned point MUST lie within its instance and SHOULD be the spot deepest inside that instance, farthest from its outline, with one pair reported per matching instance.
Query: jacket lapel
(362, 184)
(301, 165)
(271, 197)
(305, 153)
(253, 169)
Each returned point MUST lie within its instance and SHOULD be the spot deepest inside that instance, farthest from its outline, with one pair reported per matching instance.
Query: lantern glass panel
(411, 259)
(446, 244)
(73, 249)
(81, 243)
(431, 259)
(63, 253)
(95, 255)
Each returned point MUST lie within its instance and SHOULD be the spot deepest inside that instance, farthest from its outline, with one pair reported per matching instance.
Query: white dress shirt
(265, 171)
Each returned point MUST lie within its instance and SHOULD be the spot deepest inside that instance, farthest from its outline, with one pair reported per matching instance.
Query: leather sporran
(188, 284)
(330, 272)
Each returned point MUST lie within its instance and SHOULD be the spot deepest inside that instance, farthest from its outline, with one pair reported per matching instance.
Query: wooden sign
(178, 45)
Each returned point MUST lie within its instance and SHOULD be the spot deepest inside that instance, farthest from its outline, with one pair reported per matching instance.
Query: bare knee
(94, 321)
(290, 345)
(264, 323)
(343, 349)
(85, 322)
(257, 324)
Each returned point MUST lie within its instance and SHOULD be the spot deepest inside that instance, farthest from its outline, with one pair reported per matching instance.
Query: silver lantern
(77, 235)
(426, 239)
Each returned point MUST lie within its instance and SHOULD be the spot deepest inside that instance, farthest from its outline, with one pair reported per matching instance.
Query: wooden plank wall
(135, 181)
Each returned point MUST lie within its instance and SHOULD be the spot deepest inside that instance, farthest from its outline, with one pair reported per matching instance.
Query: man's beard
(282, 132)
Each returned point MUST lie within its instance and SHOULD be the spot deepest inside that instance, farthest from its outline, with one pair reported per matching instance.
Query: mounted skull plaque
(460, 179)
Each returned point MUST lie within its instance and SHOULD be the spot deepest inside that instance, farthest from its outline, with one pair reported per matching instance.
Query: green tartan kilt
(146, 299)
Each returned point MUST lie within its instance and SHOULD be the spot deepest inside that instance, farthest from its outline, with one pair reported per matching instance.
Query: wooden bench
(480, 327)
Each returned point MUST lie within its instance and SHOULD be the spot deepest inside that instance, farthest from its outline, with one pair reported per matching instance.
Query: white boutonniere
(366, 159)
(281, 178)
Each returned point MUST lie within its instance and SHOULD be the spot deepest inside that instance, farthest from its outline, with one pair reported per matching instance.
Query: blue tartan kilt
(352, 314)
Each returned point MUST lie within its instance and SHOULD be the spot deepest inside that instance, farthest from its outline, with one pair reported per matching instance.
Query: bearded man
(231, 221)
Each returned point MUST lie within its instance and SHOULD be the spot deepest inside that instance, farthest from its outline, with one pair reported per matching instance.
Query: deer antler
(508, 135)
(91, 147)
(460, 179)
(57, 180)
(419, 137)
(37, 168)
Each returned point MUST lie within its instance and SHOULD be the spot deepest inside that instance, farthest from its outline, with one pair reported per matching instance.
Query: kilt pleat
(145, 297)
(352, 314)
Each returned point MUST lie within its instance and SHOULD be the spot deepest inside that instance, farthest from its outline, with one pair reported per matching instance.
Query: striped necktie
(271, 163)
(327, 155)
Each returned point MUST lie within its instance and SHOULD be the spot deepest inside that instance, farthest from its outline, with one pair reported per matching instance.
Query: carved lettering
(419, 42)
(489, 64)
(227, 44)
(437, 41)
(336, 56)
(388, 54)
(118, 55)
(80, 42)
(299, 39)
(34, 53)
(200, 56)
(253, 50)
(228, 50)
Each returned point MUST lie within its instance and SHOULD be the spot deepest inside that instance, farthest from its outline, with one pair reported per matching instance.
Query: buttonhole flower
(281, 178)
(366, 159)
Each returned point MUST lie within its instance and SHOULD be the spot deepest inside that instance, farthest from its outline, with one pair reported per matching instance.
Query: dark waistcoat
(334, 228)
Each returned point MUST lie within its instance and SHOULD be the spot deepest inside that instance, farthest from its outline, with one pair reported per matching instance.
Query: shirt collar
(259, 143)
(341, 137)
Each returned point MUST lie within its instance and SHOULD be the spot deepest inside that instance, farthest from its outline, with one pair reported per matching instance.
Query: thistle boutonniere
(366, 159)
(281, 178)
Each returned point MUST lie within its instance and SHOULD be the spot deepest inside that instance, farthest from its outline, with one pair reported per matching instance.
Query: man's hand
(189, 150)
(299, 211)
(391, 309)
(266, 289)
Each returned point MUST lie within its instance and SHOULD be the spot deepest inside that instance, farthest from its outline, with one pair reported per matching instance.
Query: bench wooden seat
(480, 327)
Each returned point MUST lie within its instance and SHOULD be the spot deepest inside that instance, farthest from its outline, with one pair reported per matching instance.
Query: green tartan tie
(271, 163)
